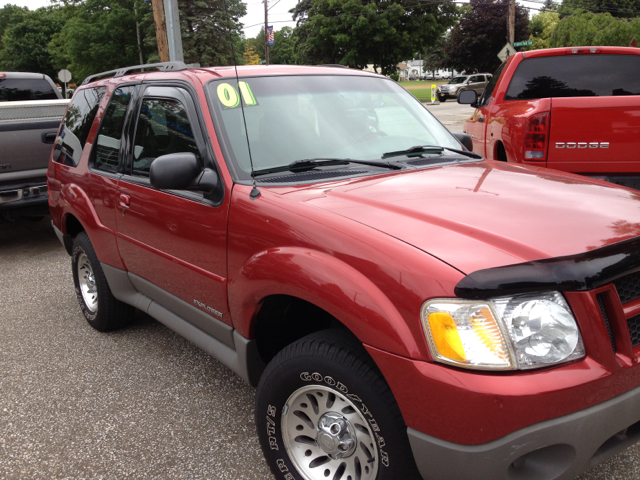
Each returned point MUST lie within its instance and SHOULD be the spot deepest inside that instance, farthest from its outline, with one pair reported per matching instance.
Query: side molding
(236, 352)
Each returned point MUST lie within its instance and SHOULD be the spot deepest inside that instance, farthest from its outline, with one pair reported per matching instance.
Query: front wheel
(442, 98)
(323, 411)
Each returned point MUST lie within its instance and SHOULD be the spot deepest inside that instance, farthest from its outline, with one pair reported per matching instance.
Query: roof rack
(164, 67)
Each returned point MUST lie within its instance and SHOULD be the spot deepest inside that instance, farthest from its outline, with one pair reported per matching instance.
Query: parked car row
(405, 308)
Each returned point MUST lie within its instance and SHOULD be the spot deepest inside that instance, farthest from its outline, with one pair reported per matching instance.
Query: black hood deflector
(581, 272)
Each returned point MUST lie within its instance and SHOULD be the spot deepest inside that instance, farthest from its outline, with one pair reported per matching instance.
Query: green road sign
(522, 44)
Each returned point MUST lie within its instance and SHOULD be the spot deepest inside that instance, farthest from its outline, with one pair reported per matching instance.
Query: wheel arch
(332, 292)
(500, 153)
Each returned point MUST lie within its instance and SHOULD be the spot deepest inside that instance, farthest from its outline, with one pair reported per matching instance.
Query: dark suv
(404, 307)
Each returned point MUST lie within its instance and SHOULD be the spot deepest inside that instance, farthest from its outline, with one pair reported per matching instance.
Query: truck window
(77, 124)
(579, 75)
(110, 133)
(17, 90)
(486, 94)
(163, 128)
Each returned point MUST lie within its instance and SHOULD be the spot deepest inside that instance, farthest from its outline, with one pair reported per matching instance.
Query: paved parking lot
(451, 114)
(140, 403)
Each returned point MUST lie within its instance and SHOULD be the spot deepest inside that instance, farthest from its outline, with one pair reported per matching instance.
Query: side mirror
(464, 139)
(181, 171)
(468, 97)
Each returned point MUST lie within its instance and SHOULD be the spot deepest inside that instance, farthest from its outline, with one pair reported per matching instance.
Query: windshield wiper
(311, 163)
(420, 149)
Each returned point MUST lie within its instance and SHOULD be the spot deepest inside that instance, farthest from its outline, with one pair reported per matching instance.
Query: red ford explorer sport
(406, 309)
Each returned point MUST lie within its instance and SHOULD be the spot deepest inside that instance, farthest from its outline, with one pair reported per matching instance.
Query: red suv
(404, 307)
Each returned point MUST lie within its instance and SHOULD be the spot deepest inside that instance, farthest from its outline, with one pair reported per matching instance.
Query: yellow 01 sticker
(229, 97)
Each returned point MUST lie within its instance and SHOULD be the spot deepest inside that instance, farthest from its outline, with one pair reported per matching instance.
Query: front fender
(326, 282)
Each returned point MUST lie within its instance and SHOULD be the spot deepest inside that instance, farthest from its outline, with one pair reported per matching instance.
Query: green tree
(542, 26)
(210, 32)
(474, 43)
(433, 56)
(617, 8)
(25, 39)
(10, 15)
(101, 35)
(594, 29)
(358, 32)
(282, 50)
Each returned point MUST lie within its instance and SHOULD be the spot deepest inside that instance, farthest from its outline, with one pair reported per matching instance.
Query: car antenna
(255, 193)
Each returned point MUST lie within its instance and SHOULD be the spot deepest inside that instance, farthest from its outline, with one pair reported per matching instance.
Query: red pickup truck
(575, 109)
(405, 308)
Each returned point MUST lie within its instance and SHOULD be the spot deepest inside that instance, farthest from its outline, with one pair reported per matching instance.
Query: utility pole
(161, 30)
(266, 33)
(511, 22)
(174, 36)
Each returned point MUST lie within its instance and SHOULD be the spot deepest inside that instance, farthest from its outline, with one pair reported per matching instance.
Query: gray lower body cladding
(560, 448)
(216, 338)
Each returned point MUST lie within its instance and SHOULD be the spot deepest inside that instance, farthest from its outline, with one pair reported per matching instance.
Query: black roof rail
(164, 67)
(337, 65)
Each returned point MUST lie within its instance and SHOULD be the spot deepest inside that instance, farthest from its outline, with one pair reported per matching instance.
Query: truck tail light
(536, 137)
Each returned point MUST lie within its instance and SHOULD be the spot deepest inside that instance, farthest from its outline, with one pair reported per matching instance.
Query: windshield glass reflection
(291, 118)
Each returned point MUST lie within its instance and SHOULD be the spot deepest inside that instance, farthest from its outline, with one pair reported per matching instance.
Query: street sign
(506, 52)
(433, 93)
(522, 44)
(64, 75)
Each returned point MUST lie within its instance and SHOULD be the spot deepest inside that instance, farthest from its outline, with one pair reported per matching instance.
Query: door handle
(125, 200)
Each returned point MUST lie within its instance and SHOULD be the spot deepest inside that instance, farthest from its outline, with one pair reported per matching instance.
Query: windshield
(457, 80)
(290, 118)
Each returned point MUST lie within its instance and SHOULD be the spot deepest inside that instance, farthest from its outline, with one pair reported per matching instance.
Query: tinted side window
(580, 75)
(77, 124)
(484, 99)
(108, 144)
(163, 128)
(16, 90)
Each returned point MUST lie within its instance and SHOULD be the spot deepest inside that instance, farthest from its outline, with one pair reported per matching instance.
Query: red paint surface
(613, 119)
(371, 251)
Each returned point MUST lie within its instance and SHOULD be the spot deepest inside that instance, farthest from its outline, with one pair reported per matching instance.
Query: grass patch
(421, 89)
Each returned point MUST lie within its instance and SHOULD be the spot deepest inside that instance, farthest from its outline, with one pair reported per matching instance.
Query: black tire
(101, 309)
(442, 98)
(335, 370)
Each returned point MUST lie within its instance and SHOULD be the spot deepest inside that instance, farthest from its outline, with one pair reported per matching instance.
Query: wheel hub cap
(87, 283)
(326, 436)
(336, 436)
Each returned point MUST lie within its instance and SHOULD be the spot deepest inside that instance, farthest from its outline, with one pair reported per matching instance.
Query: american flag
(270, 33)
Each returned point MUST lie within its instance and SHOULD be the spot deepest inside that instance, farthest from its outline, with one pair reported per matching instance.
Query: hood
(487, 214)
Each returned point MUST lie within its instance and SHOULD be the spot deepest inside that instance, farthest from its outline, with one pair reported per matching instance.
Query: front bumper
(560, 448)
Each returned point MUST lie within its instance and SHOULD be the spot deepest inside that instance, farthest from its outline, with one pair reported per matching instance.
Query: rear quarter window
(77, 124)
(578, 75)
(18, 90)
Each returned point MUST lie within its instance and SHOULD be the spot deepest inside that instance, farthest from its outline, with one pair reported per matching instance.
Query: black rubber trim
(34, 125)
(581, 272)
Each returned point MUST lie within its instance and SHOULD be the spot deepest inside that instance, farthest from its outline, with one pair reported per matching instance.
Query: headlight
(515, 332)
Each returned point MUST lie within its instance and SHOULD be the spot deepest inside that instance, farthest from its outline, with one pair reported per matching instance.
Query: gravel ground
(76, 403)
(140, 403)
